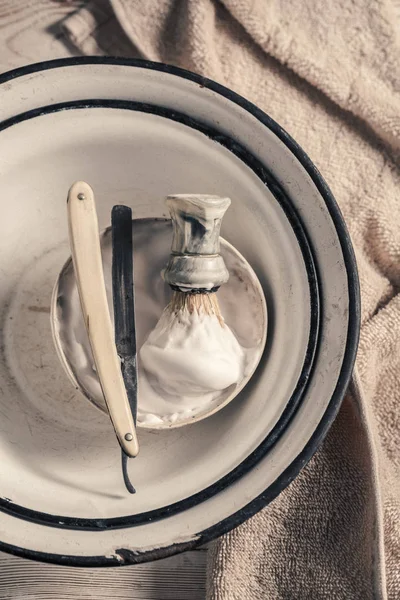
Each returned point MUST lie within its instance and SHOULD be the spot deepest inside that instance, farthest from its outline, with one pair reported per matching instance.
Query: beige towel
(329, 73)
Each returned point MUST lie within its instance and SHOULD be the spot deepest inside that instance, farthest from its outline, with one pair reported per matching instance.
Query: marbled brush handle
(195, 263)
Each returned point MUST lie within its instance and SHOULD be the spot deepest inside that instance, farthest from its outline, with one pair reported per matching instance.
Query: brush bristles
(200, 303)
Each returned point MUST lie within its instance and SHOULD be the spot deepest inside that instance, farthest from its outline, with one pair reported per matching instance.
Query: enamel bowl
(137, 131)
(241, 300)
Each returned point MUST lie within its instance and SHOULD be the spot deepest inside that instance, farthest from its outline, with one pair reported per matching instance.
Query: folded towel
(329, 73)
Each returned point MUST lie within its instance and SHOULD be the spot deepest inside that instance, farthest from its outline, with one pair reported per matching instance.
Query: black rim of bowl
(126, 556)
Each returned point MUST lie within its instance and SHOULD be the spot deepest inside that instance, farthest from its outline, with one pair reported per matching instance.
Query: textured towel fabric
(329, 74)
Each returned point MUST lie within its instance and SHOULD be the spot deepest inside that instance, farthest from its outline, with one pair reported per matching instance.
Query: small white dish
(241, 300)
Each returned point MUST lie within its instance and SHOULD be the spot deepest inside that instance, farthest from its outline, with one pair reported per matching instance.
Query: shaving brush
(196, 269)
(192, 353)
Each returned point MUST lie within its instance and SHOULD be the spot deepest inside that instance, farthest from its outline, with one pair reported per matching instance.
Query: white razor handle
(86, 256)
